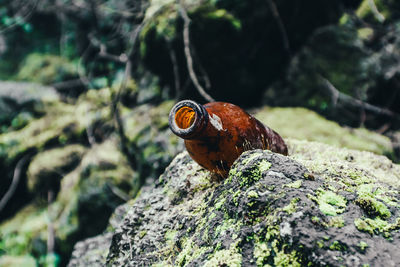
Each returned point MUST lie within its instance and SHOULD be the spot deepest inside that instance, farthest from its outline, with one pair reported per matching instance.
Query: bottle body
(227, 131)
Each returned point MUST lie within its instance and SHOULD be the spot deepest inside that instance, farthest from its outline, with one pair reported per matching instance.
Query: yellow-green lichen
(373, 207)
(336, 221)
(264, 165)
(330, 203)
(226, 257)
(295, 184)
(372, 226)
(362, 245)
(261, 253)
(308, 125)
(291, 208)
(189, 252)
(337, 245)
(252, 194)
(286, 259)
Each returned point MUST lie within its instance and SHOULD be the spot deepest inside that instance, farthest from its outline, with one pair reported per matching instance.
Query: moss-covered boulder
(20, 102)
(47, 69)
(46, 169)
(304, 124)
(101, 181)
(321, 205)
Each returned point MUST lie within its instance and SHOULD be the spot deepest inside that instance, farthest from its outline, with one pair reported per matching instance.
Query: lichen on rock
(344, 211)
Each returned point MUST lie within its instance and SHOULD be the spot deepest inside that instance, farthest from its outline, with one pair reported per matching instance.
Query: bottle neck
(187, 119)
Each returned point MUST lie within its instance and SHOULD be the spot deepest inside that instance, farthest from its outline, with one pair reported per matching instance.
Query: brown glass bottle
(217, 133)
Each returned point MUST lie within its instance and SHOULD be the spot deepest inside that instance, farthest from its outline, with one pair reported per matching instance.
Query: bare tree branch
(337, 96)
(282, 29)
(189, 59)
(14, 183)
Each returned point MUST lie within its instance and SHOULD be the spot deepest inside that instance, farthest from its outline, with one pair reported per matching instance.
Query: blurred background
(86, 87)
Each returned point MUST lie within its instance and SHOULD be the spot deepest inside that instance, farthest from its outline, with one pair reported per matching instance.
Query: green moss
(354, 168)
(308, 125)
(261, 253)
(372, 226)
(220, 202)
(190, 251)
(362, 245)
(330, 203)
(227, 224)
(235, 197)
(295, 184)
(320, 243)
(252, 194)
(226, 257)
(291, 208)
(47, 69)
(22, 260)
(48, 167)
(365, 33)
(170, 237)
(225, 15)
(337, 245)
(286, 259)
(17, 233)
(143, 233)
(373, 207)
(264, 165)
(336, 221)
(315, 219)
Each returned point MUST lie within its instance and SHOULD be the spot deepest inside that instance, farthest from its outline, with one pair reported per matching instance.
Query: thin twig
(339, 96)
(14, 183)
(282, 29)
(189, 59)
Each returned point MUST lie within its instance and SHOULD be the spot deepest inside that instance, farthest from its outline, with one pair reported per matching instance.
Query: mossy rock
(48, 167)
(303, 124)
(21, 102)
(27, 261)
(305, 209)
(47, 69)
(102, 181)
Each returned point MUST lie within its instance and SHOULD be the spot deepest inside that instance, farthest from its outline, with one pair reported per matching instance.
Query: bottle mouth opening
(186, 118)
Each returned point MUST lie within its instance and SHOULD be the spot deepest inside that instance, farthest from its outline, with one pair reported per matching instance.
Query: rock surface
(322, 205)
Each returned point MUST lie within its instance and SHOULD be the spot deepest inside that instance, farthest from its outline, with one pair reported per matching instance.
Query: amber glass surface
(228, 132)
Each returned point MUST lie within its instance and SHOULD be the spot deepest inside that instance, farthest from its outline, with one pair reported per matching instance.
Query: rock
(46, 169)
(304, 124)
(320, 206)
(89, 179)
(26, 261)
(22, 98)
(92, 251)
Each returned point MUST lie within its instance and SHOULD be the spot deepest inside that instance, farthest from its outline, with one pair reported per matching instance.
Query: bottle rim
(200, 120)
